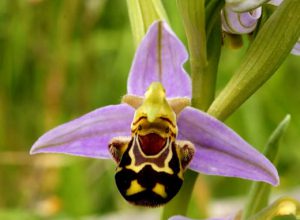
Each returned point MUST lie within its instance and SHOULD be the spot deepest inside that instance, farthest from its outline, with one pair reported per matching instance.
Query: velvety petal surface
(220, 151)
(239, 23)
(160, 57)
(88, 135)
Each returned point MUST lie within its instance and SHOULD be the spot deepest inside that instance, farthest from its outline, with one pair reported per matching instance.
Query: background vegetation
(60, 59)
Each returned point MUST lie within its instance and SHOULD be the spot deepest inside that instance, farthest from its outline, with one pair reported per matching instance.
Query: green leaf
(142, 13)
(269, 49)
(259, 193)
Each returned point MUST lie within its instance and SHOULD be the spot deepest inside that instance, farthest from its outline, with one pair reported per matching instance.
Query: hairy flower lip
(218, 149)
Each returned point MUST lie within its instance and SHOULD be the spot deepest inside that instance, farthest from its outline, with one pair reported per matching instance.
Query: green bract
(269, 49)
(142, 13)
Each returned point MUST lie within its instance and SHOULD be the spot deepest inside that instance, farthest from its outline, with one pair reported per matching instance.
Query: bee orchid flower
(154, 135)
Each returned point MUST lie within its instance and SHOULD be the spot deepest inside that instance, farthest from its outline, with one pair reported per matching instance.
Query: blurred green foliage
(60, 59)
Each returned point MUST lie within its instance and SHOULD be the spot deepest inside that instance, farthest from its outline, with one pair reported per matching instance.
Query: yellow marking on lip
(160, 189)
(118, 169)
(134, 188)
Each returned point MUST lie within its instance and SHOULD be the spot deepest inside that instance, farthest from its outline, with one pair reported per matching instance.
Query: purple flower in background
(245, 22)
(198, 141)
(239, 23)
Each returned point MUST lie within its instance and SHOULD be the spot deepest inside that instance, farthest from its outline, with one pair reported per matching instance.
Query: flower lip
(152, 143)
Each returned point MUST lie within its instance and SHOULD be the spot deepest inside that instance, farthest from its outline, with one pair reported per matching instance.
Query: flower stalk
(193, 15)
(202, 27)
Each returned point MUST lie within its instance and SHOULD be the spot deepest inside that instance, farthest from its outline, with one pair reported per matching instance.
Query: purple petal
(239, 23)
(87, 136)
(296, 49)
(160, 57)
(220, 151)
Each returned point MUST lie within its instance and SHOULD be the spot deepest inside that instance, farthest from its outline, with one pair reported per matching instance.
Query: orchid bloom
(154, 135)
(245, 22)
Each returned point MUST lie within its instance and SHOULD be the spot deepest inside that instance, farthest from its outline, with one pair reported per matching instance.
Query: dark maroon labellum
(152, 144)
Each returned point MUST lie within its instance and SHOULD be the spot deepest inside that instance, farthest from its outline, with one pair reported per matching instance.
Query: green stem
(193, 15)
(203, 31)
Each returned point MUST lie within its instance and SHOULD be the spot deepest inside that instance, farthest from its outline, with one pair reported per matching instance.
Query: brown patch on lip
(152, 143)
